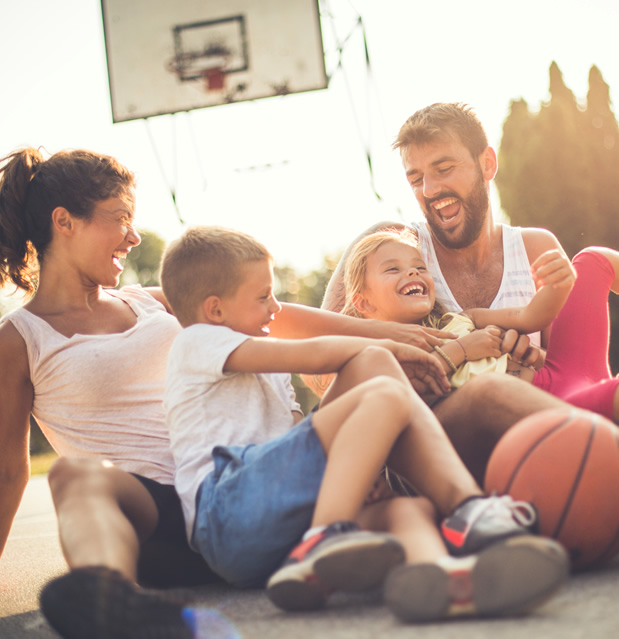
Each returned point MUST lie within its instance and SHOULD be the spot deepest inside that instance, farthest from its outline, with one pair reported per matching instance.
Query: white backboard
(168, 56)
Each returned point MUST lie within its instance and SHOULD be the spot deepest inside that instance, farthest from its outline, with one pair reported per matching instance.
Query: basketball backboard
(166, 57)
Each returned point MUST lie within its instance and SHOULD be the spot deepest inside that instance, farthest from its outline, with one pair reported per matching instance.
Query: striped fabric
(516, 288)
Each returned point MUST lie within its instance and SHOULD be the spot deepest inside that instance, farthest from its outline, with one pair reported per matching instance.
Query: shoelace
(521, 511)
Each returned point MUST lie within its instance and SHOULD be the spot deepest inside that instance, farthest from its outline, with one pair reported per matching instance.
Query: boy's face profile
(398, 287)
(252, 307)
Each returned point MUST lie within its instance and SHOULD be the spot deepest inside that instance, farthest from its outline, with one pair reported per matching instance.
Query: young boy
(258, 483)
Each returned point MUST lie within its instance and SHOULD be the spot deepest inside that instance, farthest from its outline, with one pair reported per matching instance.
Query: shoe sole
(85, 603)
(351, 563)
(506, 579)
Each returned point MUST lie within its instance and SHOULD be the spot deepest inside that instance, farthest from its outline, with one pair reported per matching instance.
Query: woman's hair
(205, 261)
(356, 268)
(31, 187)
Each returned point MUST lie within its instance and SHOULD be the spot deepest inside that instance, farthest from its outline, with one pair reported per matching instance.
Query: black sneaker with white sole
(99, 603)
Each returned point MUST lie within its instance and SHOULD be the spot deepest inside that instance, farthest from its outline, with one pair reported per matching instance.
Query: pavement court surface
(586, 607)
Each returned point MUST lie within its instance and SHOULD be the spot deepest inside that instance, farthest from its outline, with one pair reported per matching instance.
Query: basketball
(566, 463)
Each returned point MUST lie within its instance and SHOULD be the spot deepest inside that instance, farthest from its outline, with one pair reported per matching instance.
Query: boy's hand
(422, 337)
(553, 268)
(422, 369)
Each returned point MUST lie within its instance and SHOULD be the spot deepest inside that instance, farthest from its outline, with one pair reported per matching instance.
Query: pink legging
(576, 368)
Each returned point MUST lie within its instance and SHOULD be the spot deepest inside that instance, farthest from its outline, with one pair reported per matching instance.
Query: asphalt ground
(586, 607)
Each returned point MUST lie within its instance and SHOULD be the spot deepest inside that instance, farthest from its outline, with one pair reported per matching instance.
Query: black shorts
(166, 560)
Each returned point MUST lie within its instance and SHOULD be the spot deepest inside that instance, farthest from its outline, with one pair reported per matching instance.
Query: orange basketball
(566, 463)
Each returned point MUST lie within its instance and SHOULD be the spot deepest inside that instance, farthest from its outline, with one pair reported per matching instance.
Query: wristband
(466, 359)
(446, 357)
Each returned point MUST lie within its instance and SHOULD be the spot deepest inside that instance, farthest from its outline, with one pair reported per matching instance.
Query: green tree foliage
(303, 289)
(142, 264)
(307, 290)
(559, 169)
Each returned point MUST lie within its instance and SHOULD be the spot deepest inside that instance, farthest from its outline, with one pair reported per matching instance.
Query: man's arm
(16, 396)
(554, 275)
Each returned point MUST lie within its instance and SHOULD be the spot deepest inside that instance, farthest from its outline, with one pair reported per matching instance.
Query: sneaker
(100, 603)
(508, 578)
(339, 557)
(481, 521)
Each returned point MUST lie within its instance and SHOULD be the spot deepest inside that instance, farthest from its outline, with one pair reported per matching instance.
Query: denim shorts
(256, 504)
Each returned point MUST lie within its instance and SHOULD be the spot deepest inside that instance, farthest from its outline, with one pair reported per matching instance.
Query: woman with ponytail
(88, 361)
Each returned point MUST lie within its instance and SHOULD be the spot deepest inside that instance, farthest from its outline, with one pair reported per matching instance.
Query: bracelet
(466, 359)
(446, 357)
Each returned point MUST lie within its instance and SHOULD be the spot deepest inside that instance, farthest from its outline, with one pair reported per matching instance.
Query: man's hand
(521, 350)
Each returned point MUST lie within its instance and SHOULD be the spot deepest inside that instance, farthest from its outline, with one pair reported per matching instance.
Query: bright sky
(317, 195)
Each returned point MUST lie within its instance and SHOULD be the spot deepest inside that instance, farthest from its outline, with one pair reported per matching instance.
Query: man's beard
(475, 206)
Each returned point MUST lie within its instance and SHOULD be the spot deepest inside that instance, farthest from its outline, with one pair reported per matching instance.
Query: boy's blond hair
(356, 268)
(205, 261)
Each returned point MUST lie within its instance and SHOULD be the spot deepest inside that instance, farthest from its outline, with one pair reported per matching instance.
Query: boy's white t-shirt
(206, 407)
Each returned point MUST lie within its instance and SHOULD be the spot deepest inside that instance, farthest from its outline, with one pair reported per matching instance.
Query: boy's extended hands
(422, 337)
(422, 369)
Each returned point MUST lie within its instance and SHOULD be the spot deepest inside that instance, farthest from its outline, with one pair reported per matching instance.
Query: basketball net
(214, 79)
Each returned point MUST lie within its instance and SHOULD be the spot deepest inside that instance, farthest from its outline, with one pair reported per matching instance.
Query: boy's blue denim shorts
(257, 503)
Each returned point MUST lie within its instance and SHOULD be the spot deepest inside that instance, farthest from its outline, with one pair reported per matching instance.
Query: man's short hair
(440, 121)
(205, 261)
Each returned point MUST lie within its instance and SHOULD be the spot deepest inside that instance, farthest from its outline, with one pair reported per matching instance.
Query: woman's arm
(16, 397)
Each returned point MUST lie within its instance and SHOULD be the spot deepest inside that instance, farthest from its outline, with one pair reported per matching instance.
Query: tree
(142, 263)
(307, 290)
(559, 169)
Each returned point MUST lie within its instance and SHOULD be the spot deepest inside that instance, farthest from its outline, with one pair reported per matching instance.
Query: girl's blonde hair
(356, 269)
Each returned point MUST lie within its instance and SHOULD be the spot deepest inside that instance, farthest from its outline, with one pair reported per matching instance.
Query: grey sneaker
(482, 521)
(340, 557)
(508, 578)
(100, 603)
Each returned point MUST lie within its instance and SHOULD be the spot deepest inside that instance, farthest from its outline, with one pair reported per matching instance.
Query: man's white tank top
(517, 287)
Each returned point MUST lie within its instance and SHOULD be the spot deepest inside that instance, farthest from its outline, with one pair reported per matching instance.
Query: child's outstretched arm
(329, 354)
(554, 277)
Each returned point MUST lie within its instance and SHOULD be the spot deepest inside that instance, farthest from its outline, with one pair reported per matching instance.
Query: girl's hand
(482, 342)
(553, 268)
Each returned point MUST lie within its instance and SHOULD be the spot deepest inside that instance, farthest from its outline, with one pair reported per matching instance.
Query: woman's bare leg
(103, 514)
